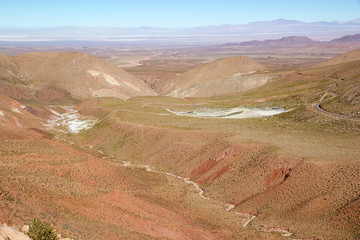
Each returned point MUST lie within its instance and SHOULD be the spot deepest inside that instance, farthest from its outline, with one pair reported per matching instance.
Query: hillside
(344, 58)
(228, 75)
(15, 116)
(69, 73)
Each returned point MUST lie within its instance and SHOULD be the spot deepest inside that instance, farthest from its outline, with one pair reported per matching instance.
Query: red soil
(280, 173)
(220, 172)
(203, 168)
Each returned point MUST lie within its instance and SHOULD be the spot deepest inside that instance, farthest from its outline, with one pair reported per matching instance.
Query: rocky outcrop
(11, 233)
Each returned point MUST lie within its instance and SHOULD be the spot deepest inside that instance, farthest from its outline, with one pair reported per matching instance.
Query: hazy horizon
(185, 22)
(260, 30)
(355, 20)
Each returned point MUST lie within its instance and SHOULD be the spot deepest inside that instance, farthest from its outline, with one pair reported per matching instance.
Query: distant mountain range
(294, 41)
(285, 41)
(262, 30)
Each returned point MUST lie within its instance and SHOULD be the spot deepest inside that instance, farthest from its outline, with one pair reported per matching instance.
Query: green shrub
(41, 231)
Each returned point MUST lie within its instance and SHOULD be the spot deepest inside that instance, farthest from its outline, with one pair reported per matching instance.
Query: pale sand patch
(110, 79)
(103, 92)
(15, 110)
(132, 86)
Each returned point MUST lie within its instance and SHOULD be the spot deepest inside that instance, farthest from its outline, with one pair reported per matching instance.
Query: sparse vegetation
(41, 231)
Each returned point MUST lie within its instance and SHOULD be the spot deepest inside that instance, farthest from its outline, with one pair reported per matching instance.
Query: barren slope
(223, 76)
(17, 116)
(343, 58)
(78, 74)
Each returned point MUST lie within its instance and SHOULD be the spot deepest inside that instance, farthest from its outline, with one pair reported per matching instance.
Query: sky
(168, 13)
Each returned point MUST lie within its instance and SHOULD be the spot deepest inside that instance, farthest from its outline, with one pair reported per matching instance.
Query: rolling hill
(70, 73)
(224, 76)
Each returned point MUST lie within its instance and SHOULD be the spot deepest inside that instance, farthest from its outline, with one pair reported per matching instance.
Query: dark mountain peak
(296, 40)
(282, 42)
(347, 39)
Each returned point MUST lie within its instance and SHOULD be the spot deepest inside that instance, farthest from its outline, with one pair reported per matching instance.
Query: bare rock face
(57, 74)
(25, 229)
(11, 233)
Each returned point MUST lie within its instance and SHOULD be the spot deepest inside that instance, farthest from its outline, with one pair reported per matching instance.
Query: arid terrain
(254, 140)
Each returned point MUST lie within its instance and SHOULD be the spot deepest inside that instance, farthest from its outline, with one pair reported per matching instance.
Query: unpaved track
(317, 106)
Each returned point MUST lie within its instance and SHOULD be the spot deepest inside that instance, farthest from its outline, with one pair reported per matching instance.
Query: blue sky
(168, 13)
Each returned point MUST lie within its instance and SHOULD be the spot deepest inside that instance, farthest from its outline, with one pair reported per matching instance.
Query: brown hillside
(344, 58)
(79, 74)
(222, 76)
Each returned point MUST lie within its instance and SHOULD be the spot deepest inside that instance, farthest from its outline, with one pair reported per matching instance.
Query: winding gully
(247, 217)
